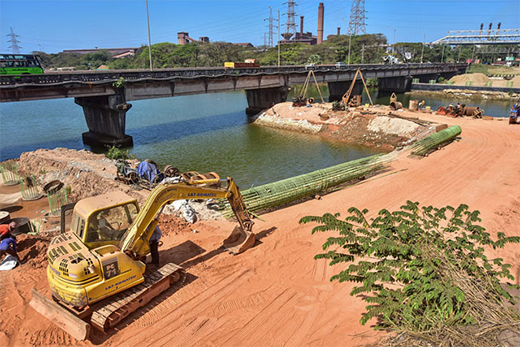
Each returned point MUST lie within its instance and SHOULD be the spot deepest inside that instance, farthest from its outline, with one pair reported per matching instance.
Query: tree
(421, 270)
(314, 59)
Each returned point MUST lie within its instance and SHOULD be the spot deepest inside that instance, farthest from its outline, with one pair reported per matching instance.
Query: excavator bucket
(239, 240)
(60, 316)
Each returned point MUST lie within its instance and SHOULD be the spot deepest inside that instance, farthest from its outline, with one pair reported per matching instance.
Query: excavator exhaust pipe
(239, 240)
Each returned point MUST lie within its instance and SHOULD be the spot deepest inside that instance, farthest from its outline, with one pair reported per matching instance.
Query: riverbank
(276, 293)
(460, 92)
(473, 86)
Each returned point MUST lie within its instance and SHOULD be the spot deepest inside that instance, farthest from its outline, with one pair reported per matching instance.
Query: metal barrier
(57, 198)
(9, 173)
(29, 188)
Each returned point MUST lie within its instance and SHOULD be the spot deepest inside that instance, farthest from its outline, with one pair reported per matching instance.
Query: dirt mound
(479, 79)
(32, 249)
(87, 174)
(476, 78)
(516, 82)
(174, 225)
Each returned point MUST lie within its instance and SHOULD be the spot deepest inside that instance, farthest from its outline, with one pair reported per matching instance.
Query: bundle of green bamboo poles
(306, 185)
(427, 144)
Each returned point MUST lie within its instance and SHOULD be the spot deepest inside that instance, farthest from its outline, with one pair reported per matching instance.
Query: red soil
(276, 293)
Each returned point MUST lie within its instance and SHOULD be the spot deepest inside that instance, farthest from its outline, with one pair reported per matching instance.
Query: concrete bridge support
(395, 84)
(427, 78)
(106, 120)
(337, 89)
(261, 99)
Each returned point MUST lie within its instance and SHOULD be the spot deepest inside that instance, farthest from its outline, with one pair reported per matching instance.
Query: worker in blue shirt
(8, 241)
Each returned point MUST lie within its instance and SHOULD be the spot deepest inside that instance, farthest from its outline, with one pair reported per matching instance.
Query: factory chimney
(321, 11)
(301, 25)
(489, 30)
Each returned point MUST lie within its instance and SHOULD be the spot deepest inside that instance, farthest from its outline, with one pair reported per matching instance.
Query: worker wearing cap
(7, 240)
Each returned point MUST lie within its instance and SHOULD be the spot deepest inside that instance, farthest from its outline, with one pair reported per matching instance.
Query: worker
(7, 240)
(154, 245)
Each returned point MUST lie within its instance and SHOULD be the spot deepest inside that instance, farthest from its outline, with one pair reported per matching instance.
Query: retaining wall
(441, 87)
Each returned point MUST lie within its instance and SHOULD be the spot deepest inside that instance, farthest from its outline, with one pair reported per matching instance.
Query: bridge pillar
(261, 99)
(337, 89)
(426, 78)
(395, 84)
(106, 120)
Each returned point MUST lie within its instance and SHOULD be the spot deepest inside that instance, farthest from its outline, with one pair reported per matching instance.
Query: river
(207, 132)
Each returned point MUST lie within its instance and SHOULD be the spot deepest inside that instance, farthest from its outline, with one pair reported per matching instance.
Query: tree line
(367, 49)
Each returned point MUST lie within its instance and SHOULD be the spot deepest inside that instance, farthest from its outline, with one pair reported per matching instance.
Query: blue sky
(53, 26)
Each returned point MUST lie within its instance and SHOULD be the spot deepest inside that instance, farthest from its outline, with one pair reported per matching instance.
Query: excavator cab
(103, 220)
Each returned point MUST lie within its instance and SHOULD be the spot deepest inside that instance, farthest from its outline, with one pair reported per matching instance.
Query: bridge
(480, 37)
(104, 95)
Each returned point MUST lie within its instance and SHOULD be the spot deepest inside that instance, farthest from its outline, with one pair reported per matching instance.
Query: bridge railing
(110, 76)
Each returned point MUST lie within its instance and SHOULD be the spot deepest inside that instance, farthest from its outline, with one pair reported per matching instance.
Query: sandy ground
(479, 79)
(276, 294)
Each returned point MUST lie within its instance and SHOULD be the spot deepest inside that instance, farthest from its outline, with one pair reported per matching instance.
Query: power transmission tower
(271, 26)
(14, 42)
(356, 24)
(290, 27)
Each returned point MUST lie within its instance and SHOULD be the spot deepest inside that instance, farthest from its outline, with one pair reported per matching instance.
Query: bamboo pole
(317, 86)
(306, 185)
(426, 145)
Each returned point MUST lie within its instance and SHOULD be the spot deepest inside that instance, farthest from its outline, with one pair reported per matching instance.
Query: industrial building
(306, 37)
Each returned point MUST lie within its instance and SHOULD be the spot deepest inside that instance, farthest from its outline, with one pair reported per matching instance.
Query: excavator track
(115, 309)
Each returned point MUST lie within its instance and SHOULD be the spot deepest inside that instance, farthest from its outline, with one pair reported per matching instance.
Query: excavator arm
(135, 241)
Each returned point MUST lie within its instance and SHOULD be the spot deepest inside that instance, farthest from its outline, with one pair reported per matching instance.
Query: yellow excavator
(96, 270)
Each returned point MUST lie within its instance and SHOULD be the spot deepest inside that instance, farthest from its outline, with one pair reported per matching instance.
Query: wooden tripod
(346, 96)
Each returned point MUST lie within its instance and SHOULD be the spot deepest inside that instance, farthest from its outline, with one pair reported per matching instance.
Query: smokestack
(339, 29)
(481, 26)
(490, 25)
(321, 11)
(301, 25)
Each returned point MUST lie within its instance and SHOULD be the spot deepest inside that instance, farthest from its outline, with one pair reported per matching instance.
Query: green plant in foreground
(419, 268)
(117, 153)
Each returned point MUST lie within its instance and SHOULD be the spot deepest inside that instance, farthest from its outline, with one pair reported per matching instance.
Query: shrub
(117, 153)
(421, 270)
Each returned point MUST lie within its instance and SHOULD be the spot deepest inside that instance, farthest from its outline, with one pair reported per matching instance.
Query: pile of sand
(394, 126)
(86, 173)
(477, 79)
